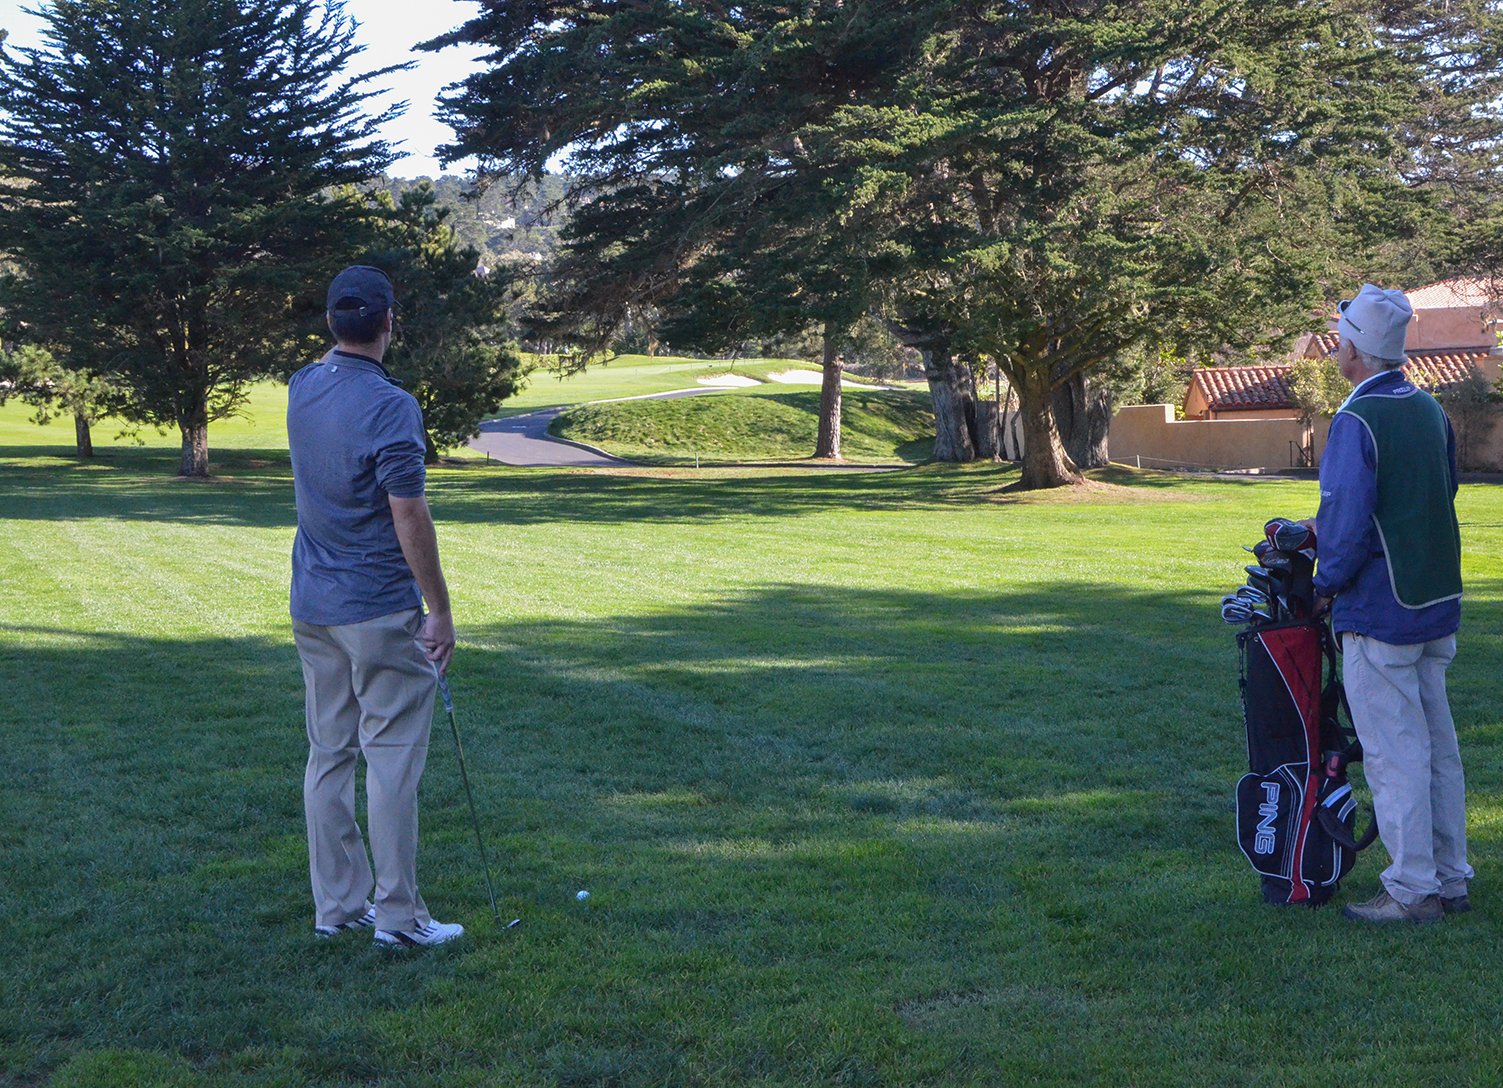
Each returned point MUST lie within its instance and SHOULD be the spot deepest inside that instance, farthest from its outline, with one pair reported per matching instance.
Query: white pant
(1412, 762)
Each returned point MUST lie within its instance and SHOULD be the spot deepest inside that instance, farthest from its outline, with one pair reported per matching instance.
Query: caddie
(1389, 570)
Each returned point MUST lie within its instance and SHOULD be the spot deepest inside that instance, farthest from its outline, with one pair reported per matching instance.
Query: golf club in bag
(1296, 814)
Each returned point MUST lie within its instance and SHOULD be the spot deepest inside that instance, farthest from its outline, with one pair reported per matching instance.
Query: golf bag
(1296, 816)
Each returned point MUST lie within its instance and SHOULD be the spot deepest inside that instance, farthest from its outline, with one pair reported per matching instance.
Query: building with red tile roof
(1263, 392)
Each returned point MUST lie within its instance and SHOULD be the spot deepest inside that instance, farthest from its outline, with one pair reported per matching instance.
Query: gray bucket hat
(1376, 321)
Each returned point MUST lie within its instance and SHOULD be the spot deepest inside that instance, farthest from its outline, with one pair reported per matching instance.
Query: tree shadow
(745, 784)
(254, 488)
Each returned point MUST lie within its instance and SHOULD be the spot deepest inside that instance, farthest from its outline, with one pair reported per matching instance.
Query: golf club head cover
(1290, 536)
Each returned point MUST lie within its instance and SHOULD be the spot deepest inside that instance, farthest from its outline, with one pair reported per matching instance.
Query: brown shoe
(1385, 908)
(1455, 904)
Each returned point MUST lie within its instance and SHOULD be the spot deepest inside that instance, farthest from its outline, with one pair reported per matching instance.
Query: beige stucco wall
(1489, 456)
(1150, 433)
(1453, 327)
(1259, 413)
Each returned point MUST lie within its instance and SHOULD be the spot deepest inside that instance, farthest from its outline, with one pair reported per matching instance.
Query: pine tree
(163, 165)
(34, 375)
(456, 351)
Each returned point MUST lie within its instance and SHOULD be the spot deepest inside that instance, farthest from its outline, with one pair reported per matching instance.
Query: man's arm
(1348, 497)
(419, 540)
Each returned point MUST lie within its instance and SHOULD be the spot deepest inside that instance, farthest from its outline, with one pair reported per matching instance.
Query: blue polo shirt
(356, 439)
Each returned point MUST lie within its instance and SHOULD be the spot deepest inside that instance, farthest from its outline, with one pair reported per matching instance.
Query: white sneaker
(365, 921)
(432, 933)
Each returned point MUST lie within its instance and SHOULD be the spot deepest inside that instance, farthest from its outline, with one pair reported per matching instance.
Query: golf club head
(1235, 612)
(1277, 561)
(1240, 610)
(1256, 570)
(1253, 595)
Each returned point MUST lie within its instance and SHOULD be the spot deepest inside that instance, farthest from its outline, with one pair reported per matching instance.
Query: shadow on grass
(966, 814)
(254, 488)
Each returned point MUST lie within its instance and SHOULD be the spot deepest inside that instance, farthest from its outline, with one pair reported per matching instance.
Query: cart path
(525, 441)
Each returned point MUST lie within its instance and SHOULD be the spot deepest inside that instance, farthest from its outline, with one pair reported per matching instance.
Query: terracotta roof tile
(1256, 388)
(1244, 388)
(1325, 342)
(1436, 370)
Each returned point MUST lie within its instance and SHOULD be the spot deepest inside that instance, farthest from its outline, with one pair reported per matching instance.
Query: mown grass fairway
(767, 423)
(894, 779)
(262, 420)
(632, 376)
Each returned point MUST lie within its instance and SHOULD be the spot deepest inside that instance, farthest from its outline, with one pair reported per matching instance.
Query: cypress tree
(455, 351)
(1041, 183)
(164, 166)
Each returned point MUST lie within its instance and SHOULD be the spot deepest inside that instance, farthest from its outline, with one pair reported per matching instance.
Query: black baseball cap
(361, 287)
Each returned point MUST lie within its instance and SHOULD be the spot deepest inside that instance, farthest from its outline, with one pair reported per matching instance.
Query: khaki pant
(369, 691)
(1412, 761)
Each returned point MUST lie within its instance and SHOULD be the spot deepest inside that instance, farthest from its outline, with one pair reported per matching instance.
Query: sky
(388, 39)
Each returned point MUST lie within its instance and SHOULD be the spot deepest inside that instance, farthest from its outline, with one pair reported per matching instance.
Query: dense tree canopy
(164, 166)
(455, 352)
(1043, 184)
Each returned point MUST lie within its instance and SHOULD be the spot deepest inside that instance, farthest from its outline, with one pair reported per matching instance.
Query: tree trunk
(1009, 436)
(828, 444)
(430, 451)
(1046, 463)
(954, 393)
(193, 422)
(81, 434)
(989, 430)
(1083, 415)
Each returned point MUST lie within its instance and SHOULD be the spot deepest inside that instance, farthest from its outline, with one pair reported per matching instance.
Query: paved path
(524, 440)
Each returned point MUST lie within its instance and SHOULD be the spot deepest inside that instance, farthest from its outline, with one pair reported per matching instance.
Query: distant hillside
(503, 227)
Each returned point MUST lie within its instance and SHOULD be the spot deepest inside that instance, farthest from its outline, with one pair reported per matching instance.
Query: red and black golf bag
(1296, 815)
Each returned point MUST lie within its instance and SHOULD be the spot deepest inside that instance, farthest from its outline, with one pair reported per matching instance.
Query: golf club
(490, 887)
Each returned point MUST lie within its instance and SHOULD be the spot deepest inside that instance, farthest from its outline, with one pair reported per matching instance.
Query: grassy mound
(753, 425)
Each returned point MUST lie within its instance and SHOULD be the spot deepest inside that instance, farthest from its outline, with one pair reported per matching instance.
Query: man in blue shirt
(1390, 572)
(364, 561)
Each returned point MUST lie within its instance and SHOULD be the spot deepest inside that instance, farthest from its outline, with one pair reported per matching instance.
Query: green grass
(754, 425)
(893, 779)
(634, 376)
(261, 423)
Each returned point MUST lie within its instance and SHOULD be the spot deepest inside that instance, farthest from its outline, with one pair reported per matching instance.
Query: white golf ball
(581, 895)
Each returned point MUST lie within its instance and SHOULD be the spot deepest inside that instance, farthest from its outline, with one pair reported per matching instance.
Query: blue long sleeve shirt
(1351, 567)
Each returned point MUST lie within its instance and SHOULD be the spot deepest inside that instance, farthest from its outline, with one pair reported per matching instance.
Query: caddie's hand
(1309, 523)
(437, 639)
(1322, 606)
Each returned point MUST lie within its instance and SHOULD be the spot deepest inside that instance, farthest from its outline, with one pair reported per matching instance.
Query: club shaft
(464, 776)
